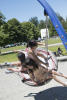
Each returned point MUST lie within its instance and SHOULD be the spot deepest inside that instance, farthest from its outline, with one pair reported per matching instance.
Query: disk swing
(40, 72)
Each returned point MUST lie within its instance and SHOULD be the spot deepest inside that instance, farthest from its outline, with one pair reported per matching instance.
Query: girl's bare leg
(14, 70)
(57, 80)
(58, 74)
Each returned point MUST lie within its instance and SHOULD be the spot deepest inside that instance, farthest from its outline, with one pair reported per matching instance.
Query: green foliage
(13, 31)
(54, 49)
(52, 31)
(8, 58)
(34, 20)
(13, 48)
(54, 40)
(3, 38)
(42, 24)
(2, 18)
(29, 31)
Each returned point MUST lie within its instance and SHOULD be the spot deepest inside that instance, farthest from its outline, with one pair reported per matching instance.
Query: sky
(23, 10)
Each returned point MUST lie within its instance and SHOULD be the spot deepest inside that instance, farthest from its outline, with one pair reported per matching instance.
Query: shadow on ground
(55, 93)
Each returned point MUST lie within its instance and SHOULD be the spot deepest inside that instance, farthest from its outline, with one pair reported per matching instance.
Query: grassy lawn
(54, 49)
(13, 57)
(54, 40)
(50, 41)
(13, 48)
(8, 57)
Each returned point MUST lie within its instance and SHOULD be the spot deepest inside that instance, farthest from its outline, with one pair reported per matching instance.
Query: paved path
(61, 58)
(11, 88)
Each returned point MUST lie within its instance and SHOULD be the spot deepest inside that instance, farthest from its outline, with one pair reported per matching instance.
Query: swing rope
(46, 42)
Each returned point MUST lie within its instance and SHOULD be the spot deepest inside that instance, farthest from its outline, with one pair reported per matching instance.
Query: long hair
(21, 57)
(31, 62)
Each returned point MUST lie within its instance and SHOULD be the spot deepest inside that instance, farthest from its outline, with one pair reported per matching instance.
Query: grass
(54, 49)
(8, 58)
(13, 48)
(50, 41)
(54, 40)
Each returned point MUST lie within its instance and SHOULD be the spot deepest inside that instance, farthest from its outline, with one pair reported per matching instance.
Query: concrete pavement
(11, 87)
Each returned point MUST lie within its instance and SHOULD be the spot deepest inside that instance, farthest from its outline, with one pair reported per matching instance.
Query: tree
(29, 31)
(4, 28)
(34, 20)
(52, 31)
(14, 30)
(2, 19)
(3, 39)
(4, 34)
(42, 24)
